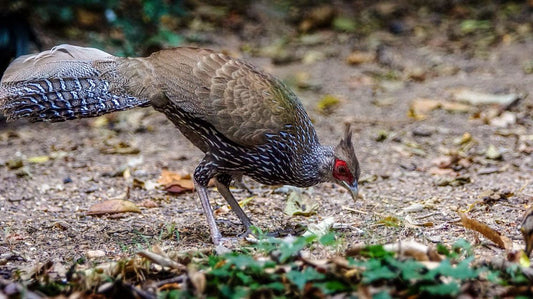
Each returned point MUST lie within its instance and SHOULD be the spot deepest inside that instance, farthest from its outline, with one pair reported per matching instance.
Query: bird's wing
(240, 101)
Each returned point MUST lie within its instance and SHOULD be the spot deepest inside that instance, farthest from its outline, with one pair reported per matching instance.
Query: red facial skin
(342, 172)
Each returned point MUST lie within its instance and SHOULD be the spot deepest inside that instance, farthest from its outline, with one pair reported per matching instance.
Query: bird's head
(345, 170)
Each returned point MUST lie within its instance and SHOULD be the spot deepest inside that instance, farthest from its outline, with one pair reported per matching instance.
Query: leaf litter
(385, 196)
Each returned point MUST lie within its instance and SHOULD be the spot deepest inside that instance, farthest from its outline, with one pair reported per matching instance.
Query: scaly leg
(204, 199)
(226, 193)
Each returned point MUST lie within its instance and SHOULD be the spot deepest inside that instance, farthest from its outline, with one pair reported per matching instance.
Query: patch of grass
(281, 268)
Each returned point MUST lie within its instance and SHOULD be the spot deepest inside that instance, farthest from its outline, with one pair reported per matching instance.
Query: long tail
(64, 83)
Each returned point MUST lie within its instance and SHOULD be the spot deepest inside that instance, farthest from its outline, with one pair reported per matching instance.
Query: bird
(244, 120)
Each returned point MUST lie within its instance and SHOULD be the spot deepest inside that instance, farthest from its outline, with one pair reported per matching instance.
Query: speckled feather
(246, 121)
(237, 99)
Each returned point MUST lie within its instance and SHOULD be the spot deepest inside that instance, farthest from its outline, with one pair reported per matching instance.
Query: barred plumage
(245, 121)
(58, 99)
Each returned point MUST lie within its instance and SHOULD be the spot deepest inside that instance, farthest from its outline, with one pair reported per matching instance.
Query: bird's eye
(342, 170)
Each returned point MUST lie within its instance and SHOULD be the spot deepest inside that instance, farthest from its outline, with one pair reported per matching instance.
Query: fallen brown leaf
(148, 203)
(120, 148)
(442, 171)
(358, 57)
(113, 206)
(444, 161)
(486, 231)
(419, 108)
(175, 183)
(479, 98)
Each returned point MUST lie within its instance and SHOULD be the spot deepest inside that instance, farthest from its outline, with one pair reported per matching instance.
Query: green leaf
(241, 261)
(344, 24)
(442, 249)
(300, 278)
(382, 295)
(328, 239)
(276, 286)
(449, 289)
(461, 271)
(463, 247)
(375, 251)
(377, 271)
(291, 249)
(469, 26)
(237, 292)
(332, 286)
(493, 276)
(246, 279)
(412, 269)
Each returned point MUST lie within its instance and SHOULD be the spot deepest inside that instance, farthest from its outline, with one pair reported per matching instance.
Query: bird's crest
(346, 152)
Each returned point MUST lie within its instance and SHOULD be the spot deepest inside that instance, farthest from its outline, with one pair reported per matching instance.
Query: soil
(43, 205)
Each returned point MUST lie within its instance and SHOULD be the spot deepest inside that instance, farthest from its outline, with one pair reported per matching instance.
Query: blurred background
(266, 28)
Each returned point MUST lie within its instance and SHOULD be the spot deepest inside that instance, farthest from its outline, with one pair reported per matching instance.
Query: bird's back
(237, 99)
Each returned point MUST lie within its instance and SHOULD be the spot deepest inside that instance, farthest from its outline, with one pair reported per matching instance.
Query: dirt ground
(404, 194)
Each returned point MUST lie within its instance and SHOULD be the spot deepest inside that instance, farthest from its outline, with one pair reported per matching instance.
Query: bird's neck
(314, 165)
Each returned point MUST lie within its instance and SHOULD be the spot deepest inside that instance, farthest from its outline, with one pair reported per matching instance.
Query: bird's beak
(353, 189)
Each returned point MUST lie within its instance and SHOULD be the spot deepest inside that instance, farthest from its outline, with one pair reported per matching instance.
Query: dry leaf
(358, 57)
(493, 153)
(477, 98)
(419, 108)
(113, 206)
(168, 177)
(175, 183)
(320, 229)
(411, 221)
(453, 181)
(148, 203)
(299, 203)
(328, 104)
(197, 279)
(38, 159)
(120, 148)
(413, 249)
(442, 171)
(454, 107)
(485, 230)
(444, 161)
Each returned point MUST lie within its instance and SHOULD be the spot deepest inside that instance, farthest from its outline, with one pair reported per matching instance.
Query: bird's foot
(227, 244)
(245, 234)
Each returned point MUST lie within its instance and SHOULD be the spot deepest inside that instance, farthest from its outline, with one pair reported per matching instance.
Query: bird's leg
(222, 183)
(204, 199)
(240, 184)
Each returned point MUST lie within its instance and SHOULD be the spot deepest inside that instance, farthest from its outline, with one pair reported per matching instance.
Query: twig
(354, 210)
(161, 260)
(177, 279)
